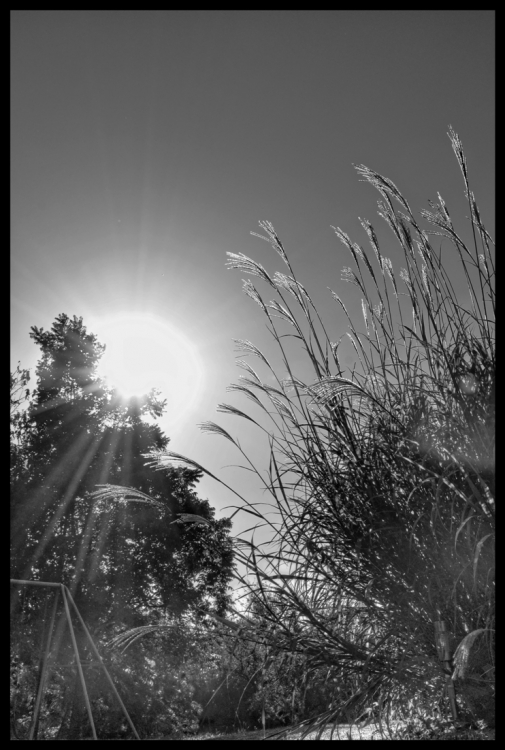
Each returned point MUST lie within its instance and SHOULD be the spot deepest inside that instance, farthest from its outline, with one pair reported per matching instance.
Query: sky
(145, 145)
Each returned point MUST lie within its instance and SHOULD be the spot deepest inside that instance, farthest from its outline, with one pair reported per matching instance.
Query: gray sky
(146, 144)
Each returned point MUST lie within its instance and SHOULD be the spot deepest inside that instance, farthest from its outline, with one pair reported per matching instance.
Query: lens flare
(144, 352)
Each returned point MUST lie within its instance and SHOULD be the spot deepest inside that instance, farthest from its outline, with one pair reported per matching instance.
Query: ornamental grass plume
(383, 482)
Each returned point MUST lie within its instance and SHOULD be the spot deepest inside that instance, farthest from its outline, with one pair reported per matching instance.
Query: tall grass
(381, 483)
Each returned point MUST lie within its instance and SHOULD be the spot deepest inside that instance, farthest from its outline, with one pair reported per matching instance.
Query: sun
(144, 352)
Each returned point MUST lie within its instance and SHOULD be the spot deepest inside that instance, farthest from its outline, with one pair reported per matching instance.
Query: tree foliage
(126, 563)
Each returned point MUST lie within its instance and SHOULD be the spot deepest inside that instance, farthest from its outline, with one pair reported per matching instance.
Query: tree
(18, 419)
(79, 434)
(19, 425)
(71, 419)
(126, 563)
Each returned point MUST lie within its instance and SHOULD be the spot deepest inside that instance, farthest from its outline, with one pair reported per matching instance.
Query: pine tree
(79, 433)
(127, 564)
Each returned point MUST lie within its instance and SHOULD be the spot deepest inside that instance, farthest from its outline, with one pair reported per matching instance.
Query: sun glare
(143, 352)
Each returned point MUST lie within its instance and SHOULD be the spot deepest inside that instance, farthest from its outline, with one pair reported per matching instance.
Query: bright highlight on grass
(143, 352)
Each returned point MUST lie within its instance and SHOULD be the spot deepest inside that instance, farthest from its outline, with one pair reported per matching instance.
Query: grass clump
(381, 480)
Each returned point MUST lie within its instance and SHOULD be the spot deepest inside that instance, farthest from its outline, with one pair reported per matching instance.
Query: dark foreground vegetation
(382, 483)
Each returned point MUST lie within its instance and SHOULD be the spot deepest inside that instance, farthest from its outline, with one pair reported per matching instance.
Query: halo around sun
(143, 352)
